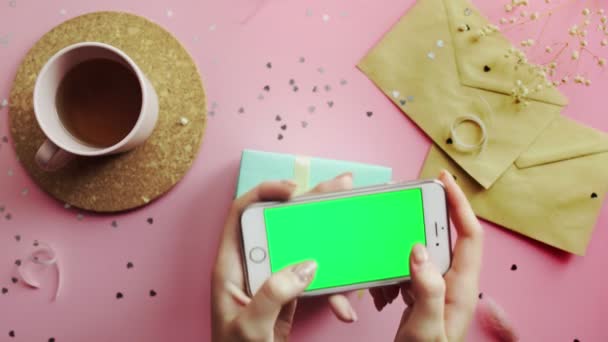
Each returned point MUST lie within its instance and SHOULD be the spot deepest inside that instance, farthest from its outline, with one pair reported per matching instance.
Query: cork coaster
(135, 178)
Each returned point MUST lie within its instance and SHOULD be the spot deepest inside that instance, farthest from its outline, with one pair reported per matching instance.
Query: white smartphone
(360, 238)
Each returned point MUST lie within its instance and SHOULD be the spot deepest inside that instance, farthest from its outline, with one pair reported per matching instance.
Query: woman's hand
(267, 316)
(438, 308)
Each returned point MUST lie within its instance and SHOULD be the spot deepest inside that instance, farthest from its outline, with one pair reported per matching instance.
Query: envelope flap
(477, 56)
(563, 139)
(414, 65)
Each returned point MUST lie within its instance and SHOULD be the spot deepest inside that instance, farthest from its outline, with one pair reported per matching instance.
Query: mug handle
(51, 158)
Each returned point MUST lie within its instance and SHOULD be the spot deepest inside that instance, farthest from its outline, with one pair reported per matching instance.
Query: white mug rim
(95, 151)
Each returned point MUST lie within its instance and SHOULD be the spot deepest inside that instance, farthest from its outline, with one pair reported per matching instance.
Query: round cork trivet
(135, 178)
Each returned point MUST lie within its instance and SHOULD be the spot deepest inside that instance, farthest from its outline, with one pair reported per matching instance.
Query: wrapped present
(306, 172)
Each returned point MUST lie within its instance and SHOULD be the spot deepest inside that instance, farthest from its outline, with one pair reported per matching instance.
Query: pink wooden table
(171, 243)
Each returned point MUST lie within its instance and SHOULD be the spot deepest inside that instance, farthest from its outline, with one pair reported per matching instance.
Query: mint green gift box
(257, 167)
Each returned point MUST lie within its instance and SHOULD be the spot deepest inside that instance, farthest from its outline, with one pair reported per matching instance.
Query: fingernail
(305, 270)
(289, 183)
(353, 315)
(446, 175)
(419, 254)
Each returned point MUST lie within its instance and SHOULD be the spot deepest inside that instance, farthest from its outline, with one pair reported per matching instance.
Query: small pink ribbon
(38, 263)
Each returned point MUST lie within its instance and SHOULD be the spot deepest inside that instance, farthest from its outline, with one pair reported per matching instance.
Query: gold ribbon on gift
(301, 174)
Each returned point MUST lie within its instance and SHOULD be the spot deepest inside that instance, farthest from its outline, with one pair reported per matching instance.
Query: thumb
(259, 317)
(426, 317)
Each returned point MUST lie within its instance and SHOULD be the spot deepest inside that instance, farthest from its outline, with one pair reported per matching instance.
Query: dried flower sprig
(539, 81)
(579, 31)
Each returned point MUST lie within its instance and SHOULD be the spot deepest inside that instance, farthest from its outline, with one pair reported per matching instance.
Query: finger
(258, 318)
(425, 321)
(340, 183)
(287, 312)
(229, 249)
(463, 278)
(237, 294)
(341, 307)
(390, 292)
(378, 296)
(467, 252)
(406, 294)
(268, 191)
(285, 319)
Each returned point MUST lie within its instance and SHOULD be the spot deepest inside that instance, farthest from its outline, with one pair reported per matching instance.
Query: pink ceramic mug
(60, 146)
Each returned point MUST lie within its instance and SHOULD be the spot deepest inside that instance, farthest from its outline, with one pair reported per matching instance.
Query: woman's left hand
(268, 316)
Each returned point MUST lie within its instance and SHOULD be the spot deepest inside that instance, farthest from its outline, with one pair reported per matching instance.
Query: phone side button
(257, 255)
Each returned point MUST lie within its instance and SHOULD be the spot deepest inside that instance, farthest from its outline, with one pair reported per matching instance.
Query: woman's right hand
(438, 308)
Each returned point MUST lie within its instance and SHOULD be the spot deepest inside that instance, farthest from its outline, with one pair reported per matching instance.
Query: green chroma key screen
(354, 240)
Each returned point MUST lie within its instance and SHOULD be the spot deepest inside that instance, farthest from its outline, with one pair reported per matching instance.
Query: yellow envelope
(552, 193)
(437, 69)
